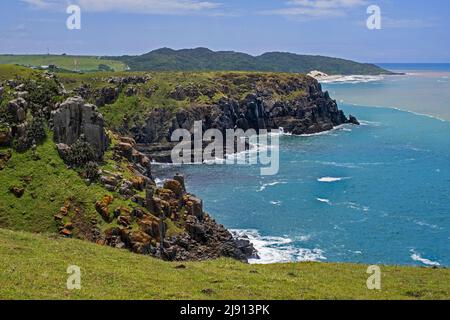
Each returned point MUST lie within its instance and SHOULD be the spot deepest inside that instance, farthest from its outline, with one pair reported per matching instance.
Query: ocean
(378, 193)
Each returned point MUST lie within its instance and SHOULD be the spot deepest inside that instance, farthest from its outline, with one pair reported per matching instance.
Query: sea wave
(331, 179)
(270, 184)
(278, 249)
(342, 127)
(324, 200)
(417, 257)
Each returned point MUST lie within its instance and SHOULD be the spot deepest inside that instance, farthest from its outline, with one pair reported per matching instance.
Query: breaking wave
(278, 249)
(417, 257)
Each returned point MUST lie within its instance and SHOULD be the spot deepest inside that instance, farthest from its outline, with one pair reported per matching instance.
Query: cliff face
(297, 105)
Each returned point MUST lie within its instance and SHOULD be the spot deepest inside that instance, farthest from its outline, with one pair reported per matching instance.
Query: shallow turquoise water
(377, 193)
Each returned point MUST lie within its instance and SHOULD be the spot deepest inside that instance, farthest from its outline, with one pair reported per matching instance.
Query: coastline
(264, 241)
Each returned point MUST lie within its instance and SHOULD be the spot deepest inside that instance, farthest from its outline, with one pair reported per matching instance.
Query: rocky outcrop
(309, 110)
(74, 118)
(202, 238)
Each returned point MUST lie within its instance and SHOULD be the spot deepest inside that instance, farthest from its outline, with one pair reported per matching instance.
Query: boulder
(17, 108)
(102, 207)
(194, 205)
(74, 118)
(353, 120)
(5, 156)
(17, 191)
(175, 187)
(5, 136)
(131, 91)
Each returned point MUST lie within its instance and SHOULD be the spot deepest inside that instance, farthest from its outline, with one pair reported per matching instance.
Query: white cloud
(318, 8)
(132, 6)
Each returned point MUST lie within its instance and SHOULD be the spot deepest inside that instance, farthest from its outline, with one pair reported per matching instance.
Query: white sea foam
(159, 182)
(278, 249)
(425, 224)
(417, 257)
(331, 179)
(276, 203)
(323, 200)
(350, 79)
(342, 127)
(271, 184)
(355, 206)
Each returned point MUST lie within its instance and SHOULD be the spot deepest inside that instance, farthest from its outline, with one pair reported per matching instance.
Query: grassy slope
(34, 267)
(48, 185)
(84, 63)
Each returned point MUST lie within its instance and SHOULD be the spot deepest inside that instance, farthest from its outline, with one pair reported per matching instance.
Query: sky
(411, 31)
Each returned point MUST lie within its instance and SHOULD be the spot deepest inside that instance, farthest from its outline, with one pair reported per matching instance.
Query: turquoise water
(377, 193)
(424, 89)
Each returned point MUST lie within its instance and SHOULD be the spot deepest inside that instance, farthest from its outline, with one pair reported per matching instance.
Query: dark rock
(5, 156)
(5, 136)
(353, 120)
(131, 91)
(74, 118)
(174, 186)
(17, 191)
(17, 108)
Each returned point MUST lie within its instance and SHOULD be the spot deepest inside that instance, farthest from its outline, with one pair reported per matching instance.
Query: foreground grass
(34, 267)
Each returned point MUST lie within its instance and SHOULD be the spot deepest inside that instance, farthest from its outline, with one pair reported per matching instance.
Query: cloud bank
(131, 6)
(317, 8)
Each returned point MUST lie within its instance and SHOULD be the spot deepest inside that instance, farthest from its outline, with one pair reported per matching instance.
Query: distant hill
(203, 59)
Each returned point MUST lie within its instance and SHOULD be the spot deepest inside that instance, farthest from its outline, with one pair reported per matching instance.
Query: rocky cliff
(297, 104)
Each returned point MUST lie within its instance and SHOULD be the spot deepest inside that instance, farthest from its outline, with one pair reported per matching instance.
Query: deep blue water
(377, 193)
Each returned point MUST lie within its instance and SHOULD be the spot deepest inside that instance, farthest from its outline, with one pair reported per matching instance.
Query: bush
(80, 154)
(91, 171)
(34, 133)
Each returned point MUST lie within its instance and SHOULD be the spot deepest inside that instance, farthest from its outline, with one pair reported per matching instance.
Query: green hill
(71, 63)
(202, 59)
(34, 267)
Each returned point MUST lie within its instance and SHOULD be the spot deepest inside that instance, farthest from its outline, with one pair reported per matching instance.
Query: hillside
(34, 267)
(202, 59)
(65, 62)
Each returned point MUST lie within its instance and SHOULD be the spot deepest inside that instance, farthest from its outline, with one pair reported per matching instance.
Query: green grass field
(34, 267)
(73, 63)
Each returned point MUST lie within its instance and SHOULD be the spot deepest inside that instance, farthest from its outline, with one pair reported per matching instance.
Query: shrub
(80, 154)
(34, 133)
(91, 171)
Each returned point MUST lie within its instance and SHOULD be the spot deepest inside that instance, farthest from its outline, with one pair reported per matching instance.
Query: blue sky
(412, 31)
